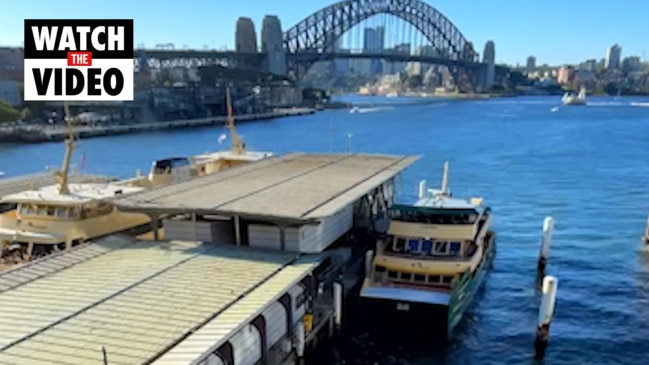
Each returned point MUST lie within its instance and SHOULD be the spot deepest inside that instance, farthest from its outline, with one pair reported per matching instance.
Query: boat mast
(62, 175)
(237, 144)
(445, 179)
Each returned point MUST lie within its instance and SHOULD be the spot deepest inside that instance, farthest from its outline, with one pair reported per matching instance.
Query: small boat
(355, 110)
(432, 261)
(571, 99)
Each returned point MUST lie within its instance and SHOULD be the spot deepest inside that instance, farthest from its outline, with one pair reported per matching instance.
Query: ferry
(207, 163)
(571, 99)
(432, 261)
(38, 222)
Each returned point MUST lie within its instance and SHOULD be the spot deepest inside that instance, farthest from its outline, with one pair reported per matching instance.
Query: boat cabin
(46, 220)
(431, 243)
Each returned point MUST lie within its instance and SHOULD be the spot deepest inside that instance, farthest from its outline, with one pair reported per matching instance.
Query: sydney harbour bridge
(364, 32)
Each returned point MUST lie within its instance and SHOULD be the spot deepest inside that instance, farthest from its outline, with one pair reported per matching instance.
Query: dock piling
(300, 340)
(546, 243)
(338, 303)
(368, 263)
(546, 311)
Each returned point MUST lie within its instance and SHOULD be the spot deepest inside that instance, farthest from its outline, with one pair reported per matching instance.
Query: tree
(611, 88)
(8, 113)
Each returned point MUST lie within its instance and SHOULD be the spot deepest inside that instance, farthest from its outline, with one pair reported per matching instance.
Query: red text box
(79, 58)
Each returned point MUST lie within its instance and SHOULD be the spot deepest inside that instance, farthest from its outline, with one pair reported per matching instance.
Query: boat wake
(369, 110)
(640, 105)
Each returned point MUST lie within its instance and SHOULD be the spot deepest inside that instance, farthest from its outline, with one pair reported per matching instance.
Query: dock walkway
(136, 299)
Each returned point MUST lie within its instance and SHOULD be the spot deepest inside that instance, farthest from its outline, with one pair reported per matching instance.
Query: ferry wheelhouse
(433, 260)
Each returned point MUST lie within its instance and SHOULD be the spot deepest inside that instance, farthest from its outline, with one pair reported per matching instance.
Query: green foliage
(8, 113)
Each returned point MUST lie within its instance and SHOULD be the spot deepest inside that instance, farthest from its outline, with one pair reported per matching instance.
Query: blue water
(587, 167)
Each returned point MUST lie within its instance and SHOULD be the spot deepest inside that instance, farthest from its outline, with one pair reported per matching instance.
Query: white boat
(355, 110)
(572, 99)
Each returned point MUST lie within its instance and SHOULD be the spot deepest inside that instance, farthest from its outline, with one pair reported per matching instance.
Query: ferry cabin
(428, 248)
(45, 221)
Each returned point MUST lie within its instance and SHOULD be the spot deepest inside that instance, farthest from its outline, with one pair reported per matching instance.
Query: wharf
(12, 185)
(159, 307)
(295, 187)
(33, 134)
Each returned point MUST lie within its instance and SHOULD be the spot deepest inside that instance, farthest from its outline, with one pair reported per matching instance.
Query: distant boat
(571, 99)
(355, 110)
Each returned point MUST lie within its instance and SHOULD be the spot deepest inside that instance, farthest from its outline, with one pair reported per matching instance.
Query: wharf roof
(135, 299)
(294, 187)
(13, 185)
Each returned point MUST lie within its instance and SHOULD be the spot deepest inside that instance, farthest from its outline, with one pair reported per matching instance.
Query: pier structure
(252, 269)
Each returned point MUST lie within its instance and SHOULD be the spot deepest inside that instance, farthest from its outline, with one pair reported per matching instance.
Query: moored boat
(571, 99)
(433, 260)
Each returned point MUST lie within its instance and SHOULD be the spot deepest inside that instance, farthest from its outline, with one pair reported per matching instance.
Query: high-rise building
(489, 59)
(246, 36)
(613, 56)
(531, 64)
(272, 43)
(374, 42)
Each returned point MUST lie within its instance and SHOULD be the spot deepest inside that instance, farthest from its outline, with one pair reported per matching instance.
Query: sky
(554, 31)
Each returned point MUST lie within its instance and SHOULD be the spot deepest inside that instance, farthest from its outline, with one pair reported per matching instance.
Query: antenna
(445, 179)
(237, 144)
(62, 175)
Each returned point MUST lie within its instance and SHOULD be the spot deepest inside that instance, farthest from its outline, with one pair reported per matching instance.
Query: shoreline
(41, 134)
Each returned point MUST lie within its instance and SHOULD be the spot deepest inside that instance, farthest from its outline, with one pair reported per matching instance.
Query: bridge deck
(294, 187)
(136, 301)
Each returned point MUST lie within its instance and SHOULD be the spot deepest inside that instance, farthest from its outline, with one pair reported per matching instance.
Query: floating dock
(253, 269)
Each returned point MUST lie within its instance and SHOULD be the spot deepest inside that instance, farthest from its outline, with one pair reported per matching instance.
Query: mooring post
(546, 310)
(300, 340)
(369, 255)
(338, 303)
(546, 243)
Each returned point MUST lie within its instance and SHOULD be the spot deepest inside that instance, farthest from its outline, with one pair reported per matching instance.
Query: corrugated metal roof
(13, 185)
(295, 186)
(214, 333)
(136, 301)
(50, 264)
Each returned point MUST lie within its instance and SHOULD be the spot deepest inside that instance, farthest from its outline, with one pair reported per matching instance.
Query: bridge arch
(320, 30)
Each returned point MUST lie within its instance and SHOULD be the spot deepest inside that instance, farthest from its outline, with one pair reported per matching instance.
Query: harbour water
(588, 167)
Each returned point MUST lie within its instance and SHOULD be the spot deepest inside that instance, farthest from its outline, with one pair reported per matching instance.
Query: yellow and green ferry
(433, 259)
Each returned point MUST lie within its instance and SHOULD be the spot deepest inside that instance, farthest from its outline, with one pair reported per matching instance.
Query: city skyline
(512, 47)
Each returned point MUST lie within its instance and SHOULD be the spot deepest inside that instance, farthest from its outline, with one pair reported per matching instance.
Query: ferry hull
(390, 315)
(438, 313)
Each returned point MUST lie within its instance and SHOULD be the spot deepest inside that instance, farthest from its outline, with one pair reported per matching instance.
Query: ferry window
(393, 274)
(427, 246)
(379, 268)
(74, 212)
(399, 244)
(62, 212)
(51, 210)
(420, 277)
(447, 279)
(406, 276)
(41, 210)
(440, 248)
(434, 279)
(413, 245)
(455, 248)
